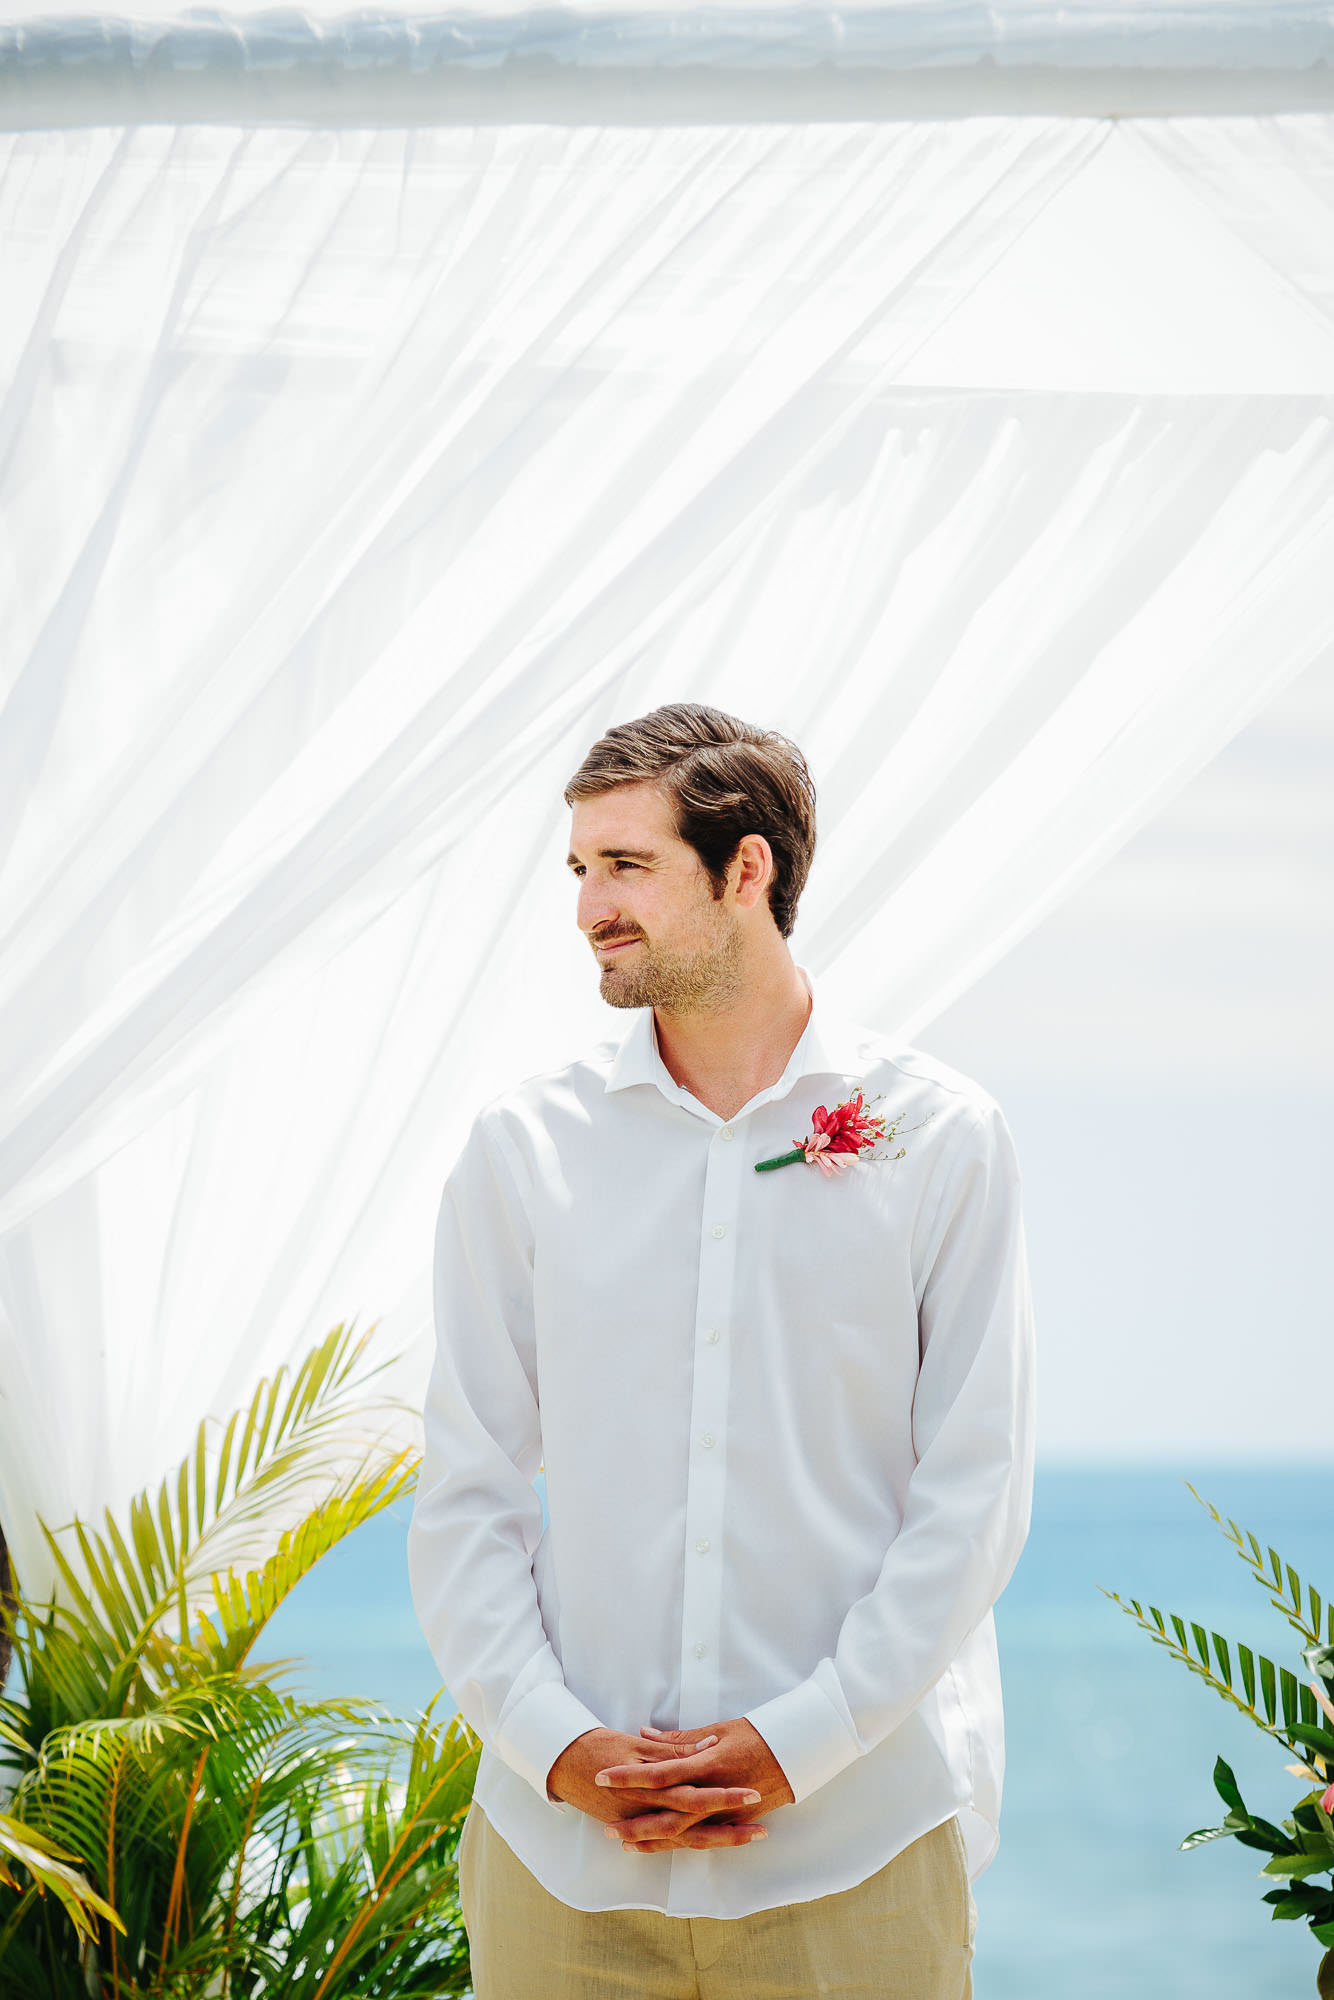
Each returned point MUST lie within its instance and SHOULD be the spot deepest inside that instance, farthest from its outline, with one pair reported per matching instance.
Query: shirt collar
(829, 1046)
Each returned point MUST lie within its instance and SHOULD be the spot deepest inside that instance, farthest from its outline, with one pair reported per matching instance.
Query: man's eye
(579, 869)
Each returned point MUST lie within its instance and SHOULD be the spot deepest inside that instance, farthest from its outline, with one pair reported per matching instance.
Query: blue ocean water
(1110, 1742)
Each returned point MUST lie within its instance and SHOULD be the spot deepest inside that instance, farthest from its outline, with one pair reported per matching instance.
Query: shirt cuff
(540, 1726)
(807, 1736)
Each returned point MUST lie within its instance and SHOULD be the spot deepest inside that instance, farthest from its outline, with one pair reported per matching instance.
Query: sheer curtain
(355, 480)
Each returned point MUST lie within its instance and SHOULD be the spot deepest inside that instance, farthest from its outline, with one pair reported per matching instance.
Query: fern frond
(1280, 1690)
(1278, 1579)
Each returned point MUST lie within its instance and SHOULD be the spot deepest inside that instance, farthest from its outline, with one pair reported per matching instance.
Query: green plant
(1299, 1716)
(182, 1825)
(28, 1861)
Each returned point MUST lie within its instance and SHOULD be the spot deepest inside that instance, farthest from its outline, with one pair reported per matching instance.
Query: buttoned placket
(706, 1475)
(722, 1215)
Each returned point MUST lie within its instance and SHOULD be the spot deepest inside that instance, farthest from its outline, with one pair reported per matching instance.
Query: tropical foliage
(178, 1822)
(1298, 1715)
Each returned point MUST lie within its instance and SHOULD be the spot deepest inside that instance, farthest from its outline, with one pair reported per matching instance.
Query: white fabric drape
(355, 481)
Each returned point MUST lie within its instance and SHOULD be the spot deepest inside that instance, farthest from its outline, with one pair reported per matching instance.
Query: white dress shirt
(787, 1428)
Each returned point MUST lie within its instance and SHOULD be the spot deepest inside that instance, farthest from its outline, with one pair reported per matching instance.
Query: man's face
(646, 906)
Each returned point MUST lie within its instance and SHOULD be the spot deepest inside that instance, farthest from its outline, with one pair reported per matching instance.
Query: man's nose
(598, 911)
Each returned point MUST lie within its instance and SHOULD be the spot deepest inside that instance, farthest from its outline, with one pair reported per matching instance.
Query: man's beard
(678, 982)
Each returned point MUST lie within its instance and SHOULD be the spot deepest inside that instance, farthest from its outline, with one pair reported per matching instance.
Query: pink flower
(847, 1129)
(1327, 1803)
(838, 1136)
(820, 1153)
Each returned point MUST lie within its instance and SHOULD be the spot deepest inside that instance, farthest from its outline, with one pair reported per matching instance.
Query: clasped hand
(670, 1788)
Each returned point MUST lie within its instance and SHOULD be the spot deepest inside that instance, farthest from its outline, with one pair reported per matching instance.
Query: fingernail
(750, 1798)
(760, 1833)
(602, 1779)
(705, 1741)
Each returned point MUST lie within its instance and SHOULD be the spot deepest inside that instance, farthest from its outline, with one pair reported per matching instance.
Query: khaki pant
(906, 1933)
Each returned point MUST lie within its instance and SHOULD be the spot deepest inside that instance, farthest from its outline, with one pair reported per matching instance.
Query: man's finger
(698, 1799)
(674, 1743)
(708, 1833)
(672, 1771)
(723, 1833)
(708, 1798)
(649, 1826)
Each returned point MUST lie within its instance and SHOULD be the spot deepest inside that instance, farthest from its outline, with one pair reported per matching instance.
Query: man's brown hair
(723, 778)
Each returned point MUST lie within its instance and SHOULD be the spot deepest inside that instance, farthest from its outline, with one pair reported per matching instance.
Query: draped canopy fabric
(355, 479)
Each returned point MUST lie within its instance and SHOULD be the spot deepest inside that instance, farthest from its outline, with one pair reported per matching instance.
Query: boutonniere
(848, 1132)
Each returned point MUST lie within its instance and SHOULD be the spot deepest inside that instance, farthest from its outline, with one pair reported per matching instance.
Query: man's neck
(726, 1056)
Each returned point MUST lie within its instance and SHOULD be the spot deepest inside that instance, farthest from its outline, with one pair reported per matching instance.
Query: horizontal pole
(704, 66)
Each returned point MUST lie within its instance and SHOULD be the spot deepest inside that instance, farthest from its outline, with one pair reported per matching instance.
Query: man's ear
(753, 864)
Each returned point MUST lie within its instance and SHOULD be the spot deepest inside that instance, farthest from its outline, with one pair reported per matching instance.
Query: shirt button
(711, 1335)
(719, 1229)
(707, 1440)
(702, 1546)
(727, 1133)
(699, 1649)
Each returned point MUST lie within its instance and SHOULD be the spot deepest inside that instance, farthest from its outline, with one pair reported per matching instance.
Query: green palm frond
(1301, 1605)
(242, 1605)
(17, 1748)
(248, 1840)
(1282, 1707)
(48, 1868)
(441, 1768)
(252, 1730)
(1280, 1692)
(356, 1875)
(138, 1600)
(406, 1849)
(117, 1785)
(180, 1811)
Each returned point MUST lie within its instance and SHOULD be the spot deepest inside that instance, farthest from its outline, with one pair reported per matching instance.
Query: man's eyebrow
(616, 854)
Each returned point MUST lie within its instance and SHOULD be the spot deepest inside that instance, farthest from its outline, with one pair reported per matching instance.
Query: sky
(1162, 1049)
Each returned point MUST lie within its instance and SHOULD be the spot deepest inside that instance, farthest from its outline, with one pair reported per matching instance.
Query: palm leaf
(127, 1619)
(402, 1846)
(1279, 1689)
(50, 1868)
(242, 1605)
(1302, 1606)
(165, 1805)
(248, 1841)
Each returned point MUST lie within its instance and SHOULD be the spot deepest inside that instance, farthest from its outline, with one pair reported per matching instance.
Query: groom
(739, 1699)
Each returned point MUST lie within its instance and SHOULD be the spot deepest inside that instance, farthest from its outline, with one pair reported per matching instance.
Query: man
(739, 1698)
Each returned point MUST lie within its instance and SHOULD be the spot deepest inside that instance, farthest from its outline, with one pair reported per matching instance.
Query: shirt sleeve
(969, 1497)
(477, 1518)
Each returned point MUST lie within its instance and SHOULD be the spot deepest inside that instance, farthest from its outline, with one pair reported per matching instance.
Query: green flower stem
(782, 1160)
